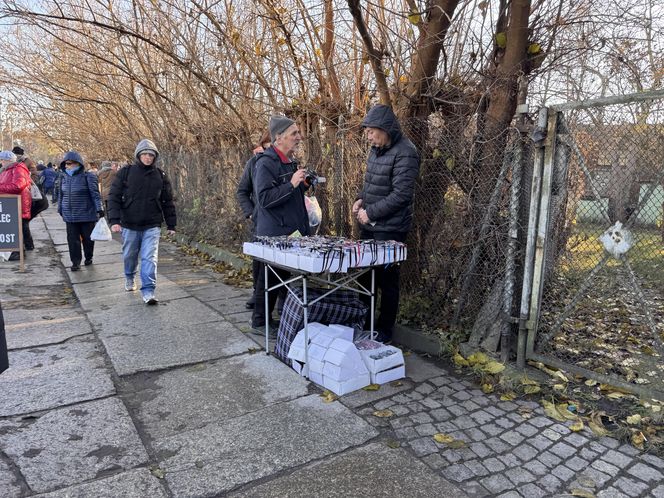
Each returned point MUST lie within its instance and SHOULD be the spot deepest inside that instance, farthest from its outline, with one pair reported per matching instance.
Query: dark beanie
(18, 151)
(279, 124)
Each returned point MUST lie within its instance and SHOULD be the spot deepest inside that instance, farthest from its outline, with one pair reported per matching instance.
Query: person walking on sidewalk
(279, 188)
(15, 180)
(79, 204)
(140, 199)
(384, 207)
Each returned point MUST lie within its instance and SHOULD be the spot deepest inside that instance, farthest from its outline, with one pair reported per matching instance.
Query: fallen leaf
(383, 413)
(156, 471)
(487, 388)
(396, 383)
(493, 367)
(443, 438)
(328, 396)
(559, 387)
(371, 387)
(478, 358)
(457, 444)
(531, 389)
(393, 444)
(460, 360)
(634, 419)
(508, 396)
(638, 439)
(551, 411)
(590, 382)
(583, 493)
(576, 426)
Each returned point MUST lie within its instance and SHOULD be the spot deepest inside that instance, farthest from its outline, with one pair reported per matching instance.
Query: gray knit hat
(279, 124)
(144, 146)
(7, 155)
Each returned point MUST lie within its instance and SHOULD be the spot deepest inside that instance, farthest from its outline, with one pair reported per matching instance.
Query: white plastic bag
(313, 210)
(4, 256)
(34, 191)
(101, 230)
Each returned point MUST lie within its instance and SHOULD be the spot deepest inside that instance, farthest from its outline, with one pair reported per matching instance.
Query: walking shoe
(130, 285)
(148, 298)
(14, 256)
(88, 262)
(75, 267)
(250, 303)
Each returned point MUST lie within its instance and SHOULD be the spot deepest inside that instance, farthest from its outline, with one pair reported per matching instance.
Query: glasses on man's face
(70, 163)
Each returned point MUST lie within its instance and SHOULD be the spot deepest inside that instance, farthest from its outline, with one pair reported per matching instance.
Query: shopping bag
(34, 191)
(101, 231)
(313, 210)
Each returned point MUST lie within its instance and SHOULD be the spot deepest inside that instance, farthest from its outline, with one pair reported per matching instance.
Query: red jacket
(16, 180)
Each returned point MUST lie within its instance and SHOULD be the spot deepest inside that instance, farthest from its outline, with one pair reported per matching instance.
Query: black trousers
(387, 283)
(80, 232)
(258, 316)
(28, 243)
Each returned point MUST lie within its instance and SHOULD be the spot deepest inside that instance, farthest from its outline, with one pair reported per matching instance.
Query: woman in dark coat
(79, 204)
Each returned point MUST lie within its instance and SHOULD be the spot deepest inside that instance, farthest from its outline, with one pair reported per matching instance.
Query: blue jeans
(143, 243)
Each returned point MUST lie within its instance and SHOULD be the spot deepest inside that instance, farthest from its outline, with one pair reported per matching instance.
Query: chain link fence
(601, 307)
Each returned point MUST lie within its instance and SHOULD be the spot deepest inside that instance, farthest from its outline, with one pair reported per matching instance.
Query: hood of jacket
(144, 146)
(72, 155)
(383, 117)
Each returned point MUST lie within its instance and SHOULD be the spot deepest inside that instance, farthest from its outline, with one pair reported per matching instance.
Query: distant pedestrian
(49, 175)
(140, 199)
(106, 175)
(15, 180)
(40, 166)
(79, 204)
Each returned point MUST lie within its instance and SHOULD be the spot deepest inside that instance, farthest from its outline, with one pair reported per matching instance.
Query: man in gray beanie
(278, 125)
(279, 187)
(133, 211)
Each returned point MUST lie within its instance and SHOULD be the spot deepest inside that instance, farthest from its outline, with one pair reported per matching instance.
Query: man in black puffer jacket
(139, 201)
(384, 207)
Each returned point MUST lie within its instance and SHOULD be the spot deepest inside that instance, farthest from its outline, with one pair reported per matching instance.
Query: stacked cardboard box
(385, 363)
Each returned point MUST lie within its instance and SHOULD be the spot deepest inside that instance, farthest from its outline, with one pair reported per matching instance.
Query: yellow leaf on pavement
(371, 387)
(443, 438)
(531, 389)
(383, 413)
(508, 396)
(583, 493)
(576, 426)
(328, 396)
(598, 429)
(590, 382)
(487, 388)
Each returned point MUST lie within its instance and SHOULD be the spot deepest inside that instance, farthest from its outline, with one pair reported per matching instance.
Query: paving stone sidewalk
(107, 397)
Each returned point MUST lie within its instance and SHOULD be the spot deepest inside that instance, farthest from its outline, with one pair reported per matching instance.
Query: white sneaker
(130, 285)
(148, 298)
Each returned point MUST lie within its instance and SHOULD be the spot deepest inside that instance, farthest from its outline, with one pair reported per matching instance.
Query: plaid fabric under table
(341, 307)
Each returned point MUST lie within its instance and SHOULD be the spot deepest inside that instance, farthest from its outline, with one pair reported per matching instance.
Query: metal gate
(593, 294)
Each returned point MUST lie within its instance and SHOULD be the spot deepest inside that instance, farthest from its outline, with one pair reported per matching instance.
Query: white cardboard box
(388, 375)
(347, 386)
(296, 351)
(346, 333)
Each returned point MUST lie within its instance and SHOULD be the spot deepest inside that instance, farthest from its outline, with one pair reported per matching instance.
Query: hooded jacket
(389, 183)
(141, 196)
(49, 175)
(15, 180)
(280, 206)
(79, 200)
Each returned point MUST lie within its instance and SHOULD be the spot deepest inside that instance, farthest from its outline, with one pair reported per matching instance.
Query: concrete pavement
(108, 397)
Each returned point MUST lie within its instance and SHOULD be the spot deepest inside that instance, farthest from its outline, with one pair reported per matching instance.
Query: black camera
(312, 179)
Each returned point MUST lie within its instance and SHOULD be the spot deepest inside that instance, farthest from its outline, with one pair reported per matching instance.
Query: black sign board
(10, 222)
